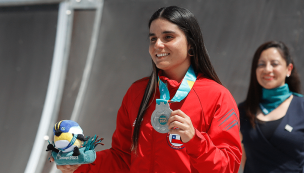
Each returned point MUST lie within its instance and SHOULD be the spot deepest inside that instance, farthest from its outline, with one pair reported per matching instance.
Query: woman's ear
(190, 50)
(289, 69)
(189, 46)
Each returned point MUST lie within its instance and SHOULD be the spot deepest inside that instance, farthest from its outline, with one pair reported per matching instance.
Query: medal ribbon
(181, 93)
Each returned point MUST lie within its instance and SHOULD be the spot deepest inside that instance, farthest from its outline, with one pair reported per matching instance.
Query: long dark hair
(255, 89)
(200, 61)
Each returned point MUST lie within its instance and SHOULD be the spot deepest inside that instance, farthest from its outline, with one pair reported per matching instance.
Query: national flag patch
(174, 141)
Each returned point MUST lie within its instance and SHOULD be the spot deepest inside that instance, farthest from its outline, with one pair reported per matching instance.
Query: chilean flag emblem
(174, 141)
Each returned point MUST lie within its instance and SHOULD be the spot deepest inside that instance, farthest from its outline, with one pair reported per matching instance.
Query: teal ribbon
(182, 92)
(272, 98)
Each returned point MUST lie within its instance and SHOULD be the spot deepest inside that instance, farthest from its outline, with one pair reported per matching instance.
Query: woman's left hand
(181, 124)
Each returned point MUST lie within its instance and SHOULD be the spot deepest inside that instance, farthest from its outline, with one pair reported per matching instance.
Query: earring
(287, 75)
(190, 52)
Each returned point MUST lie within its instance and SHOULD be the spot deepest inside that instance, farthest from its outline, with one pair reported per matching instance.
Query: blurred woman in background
(272, 116)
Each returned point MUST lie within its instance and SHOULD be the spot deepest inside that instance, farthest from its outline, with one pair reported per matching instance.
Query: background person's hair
(200, 61)
(255, 89)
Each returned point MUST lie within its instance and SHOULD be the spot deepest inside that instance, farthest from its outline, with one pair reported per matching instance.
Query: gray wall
(27, 38)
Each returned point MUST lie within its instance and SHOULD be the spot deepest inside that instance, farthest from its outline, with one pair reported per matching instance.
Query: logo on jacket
(174, 141)
(229, 120)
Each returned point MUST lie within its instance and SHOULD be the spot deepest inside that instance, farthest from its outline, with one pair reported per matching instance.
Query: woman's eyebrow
(168, 32)
(165, 32)
(275, 60)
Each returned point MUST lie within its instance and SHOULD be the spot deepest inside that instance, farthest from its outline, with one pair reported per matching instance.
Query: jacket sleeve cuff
(194, 146)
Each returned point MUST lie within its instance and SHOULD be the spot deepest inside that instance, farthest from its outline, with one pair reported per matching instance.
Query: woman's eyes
(152, 39)
(166, 38)
(264, 65)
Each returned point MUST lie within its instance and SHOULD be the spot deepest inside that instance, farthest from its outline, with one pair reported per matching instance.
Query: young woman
(180, 119)
(272, 116)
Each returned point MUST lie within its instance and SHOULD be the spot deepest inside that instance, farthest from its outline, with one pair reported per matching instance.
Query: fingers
(177, 122)
(178, 119)
(181, 124)
(67, 168)
(179, 112)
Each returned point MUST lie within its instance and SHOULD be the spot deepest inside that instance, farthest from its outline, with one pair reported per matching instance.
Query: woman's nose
(159, 44)
(268, 67)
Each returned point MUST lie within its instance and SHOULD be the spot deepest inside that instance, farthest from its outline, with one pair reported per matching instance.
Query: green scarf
(272, 98)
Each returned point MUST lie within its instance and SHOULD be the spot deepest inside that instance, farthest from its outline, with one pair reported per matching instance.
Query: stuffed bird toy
(68, 136)
(69, 143)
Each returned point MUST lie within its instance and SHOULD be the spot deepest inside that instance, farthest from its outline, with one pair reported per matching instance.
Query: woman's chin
(162, 66)
(270, 86)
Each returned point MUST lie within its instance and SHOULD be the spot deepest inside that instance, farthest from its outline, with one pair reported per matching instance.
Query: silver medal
(160, 117)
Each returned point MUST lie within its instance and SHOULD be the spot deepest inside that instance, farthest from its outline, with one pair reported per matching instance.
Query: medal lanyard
(181, 93)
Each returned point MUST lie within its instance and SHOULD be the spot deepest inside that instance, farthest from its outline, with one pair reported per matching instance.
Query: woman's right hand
(66, 168)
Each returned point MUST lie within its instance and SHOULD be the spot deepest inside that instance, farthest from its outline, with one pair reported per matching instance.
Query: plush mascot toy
(70, 146)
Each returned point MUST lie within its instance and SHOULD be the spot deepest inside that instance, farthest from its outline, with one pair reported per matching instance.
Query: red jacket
(216, 146)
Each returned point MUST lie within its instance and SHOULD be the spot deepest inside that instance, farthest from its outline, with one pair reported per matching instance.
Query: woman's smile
(267, 77)
(162, 55)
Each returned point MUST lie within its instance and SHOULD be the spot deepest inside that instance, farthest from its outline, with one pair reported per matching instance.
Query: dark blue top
(284, 151)
(268, 127)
